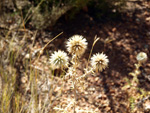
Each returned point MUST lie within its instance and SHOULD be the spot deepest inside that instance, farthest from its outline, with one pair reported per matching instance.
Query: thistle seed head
(141, 57)
(99, 62)
(76, 44)
(59, 59)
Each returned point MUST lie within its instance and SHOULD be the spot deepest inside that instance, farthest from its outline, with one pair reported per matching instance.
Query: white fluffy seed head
(59, 59)
(76, 44)
(99, 62)
(141, 57)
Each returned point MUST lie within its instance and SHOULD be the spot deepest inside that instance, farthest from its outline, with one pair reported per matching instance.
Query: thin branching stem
(95, 40)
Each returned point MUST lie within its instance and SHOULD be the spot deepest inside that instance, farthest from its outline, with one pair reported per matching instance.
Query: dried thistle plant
(76, 46)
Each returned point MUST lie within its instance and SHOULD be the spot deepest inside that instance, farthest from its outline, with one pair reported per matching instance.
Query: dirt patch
(121, 39)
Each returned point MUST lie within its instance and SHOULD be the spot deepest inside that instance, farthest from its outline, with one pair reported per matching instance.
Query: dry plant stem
(47, 44)
(74, 82)
(6, 37)
(23, 22)
(34, 37)
(95, 40)
(28, 16)
(75, 94)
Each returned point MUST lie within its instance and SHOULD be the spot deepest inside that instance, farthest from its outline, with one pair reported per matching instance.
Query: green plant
(136, 94)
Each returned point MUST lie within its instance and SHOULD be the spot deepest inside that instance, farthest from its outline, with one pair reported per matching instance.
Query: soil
(121, 39)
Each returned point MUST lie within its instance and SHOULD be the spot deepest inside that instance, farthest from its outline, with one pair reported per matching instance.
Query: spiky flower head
(59, 59)
(76, 44)
(99, 62)
(141, 57)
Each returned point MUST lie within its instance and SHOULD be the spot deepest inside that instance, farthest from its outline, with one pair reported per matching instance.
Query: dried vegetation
(30, 84)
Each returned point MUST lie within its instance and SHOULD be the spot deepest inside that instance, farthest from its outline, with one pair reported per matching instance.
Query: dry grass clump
(27, 80)
(20, 88)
